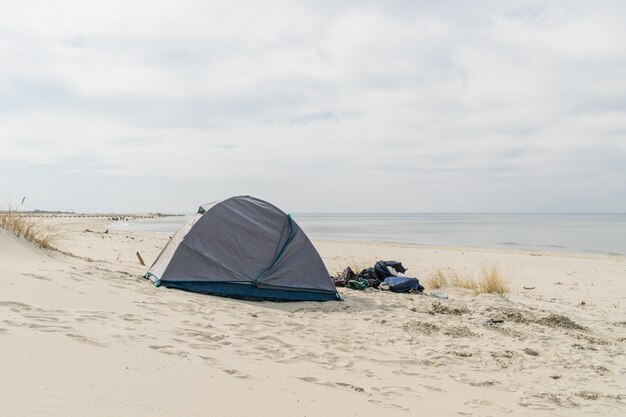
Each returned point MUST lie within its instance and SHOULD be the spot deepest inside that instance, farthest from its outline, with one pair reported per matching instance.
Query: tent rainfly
(243, 247)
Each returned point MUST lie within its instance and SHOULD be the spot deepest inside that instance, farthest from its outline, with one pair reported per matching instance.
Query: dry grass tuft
(441, 278)
(25, 227)
(464, 281)
(491, 280)
(437, 279)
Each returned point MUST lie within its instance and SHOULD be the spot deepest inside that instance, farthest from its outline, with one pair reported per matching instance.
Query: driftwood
(140, 259)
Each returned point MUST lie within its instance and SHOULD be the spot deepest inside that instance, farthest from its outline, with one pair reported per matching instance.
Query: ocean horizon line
(457, 213)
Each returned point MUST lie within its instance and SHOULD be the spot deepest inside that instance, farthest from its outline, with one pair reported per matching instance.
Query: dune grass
(464, 281)
(15, 221)
(437, 279)
(491, 280)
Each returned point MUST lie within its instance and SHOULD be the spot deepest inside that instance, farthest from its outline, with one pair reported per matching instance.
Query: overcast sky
(410, 106)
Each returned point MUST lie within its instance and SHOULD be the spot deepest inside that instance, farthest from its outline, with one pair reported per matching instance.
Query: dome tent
(243, 247)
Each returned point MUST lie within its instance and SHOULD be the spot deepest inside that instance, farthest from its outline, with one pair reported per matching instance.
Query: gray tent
(243, 247)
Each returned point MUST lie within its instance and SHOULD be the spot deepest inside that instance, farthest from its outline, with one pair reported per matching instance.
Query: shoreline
(476, 249)
(532, 252)
(492, 242)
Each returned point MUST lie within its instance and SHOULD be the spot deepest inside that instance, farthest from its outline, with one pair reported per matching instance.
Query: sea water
(586, 233)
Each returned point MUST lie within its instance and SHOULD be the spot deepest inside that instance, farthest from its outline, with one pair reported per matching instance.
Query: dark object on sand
(382, 272)
(531, 352)
(342, 279)
(403, 284)
(358, 284)
(381, 269)
(370, 276)
(140, 259)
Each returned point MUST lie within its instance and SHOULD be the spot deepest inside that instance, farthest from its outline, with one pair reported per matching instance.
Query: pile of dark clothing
(384, 275)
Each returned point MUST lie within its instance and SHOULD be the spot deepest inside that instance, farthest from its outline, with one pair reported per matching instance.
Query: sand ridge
(82, 333)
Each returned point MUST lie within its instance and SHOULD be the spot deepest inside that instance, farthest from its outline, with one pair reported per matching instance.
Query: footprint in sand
(201, 336)
(83, 339)
(339, 384)
(293, 325)
(209, 360)
(353, 387)
(392, 391)
(133, 319)
(237, 374)
(41, 277)
(168, 350)
(43, 328)
(432, 388)
(99, 315)
(413, 374)
(161, 348)
(133, 338)
(388, 405)
(316, 381)
(487, 404)
(264, 352)
(491, 383)
(37, 317)
(15, 306)
(275, 341)
(202, 346)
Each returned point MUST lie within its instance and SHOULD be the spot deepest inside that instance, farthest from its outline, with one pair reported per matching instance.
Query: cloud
(445, 103)
(314, 117)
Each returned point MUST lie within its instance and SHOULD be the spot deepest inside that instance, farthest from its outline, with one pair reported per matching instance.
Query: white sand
(85, 335)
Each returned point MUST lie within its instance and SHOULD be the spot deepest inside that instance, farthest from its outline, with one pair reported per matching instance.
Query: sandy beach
(83, 334)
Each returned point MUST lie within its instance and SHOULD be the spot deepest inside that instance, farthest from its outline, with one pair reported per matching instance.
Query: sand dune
(81, 333)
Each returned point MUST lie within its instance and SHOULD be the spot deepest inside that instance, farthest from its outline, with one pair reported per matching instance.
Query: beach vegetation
(492, 281)
(464, 280)
(15, 221)
(437, 279)
(489, 280)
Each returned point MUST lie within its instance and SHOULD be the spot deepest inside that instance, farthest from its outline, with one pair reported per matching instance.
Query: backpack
(403, 284)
